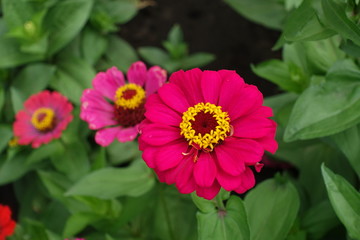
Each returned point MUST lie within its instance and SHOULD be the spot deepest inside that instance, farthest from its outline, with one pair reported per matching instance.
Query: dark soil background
(208, 26)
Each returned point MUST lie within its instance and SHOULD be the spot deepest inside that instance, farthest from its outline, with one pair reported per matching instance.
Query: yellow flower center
(205, 125)
(129, 96)
(43, 119)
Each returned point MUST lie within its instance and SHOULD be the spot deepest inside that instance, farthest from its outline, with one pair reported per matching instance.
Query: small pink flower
(44, 117)
(116, 108)
(204, 130)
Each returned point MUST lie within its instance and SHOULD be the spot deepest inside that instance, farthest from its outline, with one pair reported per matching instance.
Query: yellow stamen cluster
(208, 140)
(43, 119)
(134, 101)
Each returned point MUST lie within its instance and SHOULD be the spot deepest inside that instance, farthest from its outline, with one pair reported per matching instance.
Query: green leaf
(93, 46)
(313, 116)
(79, 70)
(120, 54)
(121, 11)
(348, 142)
(303, 25)
(16, 13)
(14, 168)
(345, 201)
(269, 13)
(78, 221)
(337, 20)
(109, 183)
(286, 76)
(6, 134)
(64, 21)
(350, 48)
(272, 208)
(227, 224)
(154, 55)
(122, 152)
(197, 60)
(44, 151)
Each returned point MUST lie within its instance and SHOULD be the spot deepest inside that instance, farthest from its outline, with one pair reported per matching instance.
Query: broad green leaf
(350, 48)
(303, 25)
(67, 85)
(122, 152)
(230, 223)
(348, 142)
(313, 116)
(120, 54)
(319, 219)
(154, 55)
(109, 183)
(206, 206)
(14, 168)
(337, 20)
(121, 11)
(344, 69)
(65, 20)
(197, 60)
(345, 201)
(286, 76)
(78, 221)
(44, 151)
(93, 46)
(79, 70)
(6, 134)
(16, 13)
(272, 207)
(270, 13)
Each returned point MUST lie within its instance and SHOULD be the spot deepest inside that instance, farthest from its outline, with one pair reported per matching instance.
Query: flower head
(204, 130)
(44, 117)
(7, 225)
(115, 108)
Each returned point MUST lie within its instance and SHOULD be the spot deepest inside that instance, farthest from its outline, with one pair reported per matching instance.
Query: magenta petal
(247, 150)
(156, 77)
(158, 112)
(173, 97)
(247, 181)
(231, 86)
(170, 155)
(106, 136)
(149, 156)
(205, 170)
(210, 84)
(137, 73)
(184, 180)
(208, 192)
(127, 134)
(253, 127)
(269, 143)
(227, 181)
(107, 83)
(158, 135)
(229, 159)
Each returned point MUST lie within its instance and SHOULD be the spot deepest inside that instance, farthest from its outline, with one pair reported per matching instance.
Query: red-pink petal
(158, 135)
(253, 127)
(158, 112)
(189, 82)
(170, 155)
(137, 73)
(108, 82)
(106, 136)
(229, 160)
(173, 97)
(127, 134)
(208, 192)
(205, 170)
(247, 181)
(210, 84)
(156, 77)
(227, 181)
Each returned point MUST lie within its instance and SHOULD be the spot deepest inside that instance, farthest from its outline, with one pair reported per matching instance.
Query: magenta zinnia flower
(204, 130)
(116, 108)
(44, 117)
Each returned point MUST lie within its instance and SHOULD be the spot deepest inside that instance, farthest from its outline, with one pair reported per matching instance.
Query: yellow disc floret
(43, 119)
(129, 96)
(214, 125)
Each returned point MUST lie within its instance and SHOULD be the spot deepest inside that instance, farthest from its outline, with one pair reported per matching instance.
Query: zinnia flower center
(205, 125)
(129, 105)
(43, 119)
(129, 96)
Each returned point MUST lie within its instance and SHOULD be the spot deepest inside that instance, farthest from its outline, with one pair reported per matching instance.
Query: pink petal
(227, 181)
(205, 170)
(190, 83)
(210, 84)
(106, 136)
(158, 135)
(137, 73)
(127, 134)
(248, 100)
(228, 159)
(158, 112)
(170, 155)
(107, 83)
(156, 77)
(167, 177)
(247, 150)
(173, 97)
(208, 192)
(149, 156)
(253, 127)
(231, 86)
(268, 143)
(184, 180)
(247, 181)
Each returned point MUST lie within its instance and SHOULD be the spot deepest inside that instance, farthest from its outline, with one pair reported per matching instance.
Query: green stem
(219, 203)
(167, 216)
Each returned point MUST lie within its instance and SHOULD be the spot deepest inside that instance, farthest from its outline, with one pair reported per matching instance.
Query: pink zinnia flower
(116, 108)
(7, 225)
(44, 117)
(204, 130)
